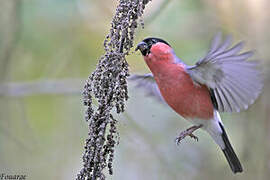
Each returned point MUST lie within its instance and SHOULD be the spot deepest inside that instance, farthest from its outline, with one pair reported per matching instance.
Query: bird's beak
(143, 47)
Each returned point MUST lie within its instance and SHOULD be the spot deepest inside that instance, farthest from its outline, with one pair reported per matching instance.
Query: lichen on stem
(108, 85)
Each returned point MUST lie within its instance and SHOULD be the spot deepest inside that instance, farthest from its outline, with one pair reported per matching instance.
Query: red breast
(176, 86)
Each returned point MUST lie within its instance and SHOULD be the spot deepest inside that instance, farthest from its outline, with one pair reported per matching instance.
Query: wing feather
(224, 46)
(236, 82)
(148, 84)
(219, 100)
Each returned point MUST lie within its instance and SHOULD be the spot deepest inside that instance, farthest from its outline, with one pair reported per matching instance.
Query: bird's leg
(188, 132)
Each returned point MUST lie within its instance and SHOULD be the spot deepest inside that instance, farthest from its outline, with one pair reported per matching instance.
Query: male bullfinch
(222, 81)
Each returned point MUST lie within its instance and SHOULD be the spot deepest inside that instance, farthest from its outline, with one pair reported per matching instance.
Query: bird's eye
(153, 42)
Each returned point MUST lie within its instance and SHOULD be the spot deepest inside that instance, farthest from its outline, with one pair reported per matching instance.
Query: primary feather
(236, 82)
(148, 83)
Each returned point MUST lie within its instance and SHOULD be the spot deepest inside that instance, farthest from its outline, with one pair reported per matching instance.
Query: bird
(224, 80)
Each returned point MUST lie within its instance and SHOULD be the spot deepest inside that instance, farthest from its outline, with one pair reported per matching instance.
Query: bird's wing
(234, 82)
(148, 83)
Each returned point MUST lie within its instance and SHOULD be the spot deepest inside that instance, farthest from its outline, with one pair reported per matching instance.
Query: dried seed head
(108, 85)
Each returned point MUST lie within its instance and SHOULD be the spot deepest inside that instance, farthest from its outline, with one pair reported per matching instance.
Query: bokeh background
(47, 50)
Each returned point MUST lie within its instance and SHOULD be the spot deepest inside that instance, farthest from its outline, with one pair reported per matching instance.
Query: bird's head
(147, 45)
(156, 52)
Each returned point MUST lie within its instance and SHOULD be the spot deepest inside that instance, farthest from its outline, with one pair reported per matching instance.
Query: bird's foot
(187, 132)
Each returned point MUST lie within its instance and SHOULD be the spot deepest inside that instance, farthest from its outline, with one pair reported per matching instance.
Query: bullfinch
(222, 81)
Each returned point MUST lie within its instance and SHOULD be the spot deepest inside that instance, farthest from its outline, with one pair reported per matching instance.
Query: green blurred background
(47, 50)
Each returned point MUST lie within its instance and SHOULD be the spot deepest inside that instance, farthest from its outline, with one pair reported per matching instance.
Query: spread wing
(148, 84)
(234, 82)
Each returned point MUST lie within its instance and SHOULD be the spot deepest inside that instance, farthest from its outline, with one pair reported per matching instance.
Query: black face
(147, 43)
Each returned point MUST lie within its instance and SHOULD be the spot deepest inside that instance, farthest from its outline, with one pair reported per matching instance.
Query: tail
(229, 153)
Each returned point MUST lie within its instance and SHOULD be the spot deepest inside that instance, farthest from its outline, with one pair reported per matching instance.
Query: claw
(194, 137)
(186, 133)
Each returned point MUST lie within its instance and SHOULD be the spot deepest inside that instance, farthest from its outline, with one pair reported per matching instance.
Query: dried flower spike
(108, 85)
